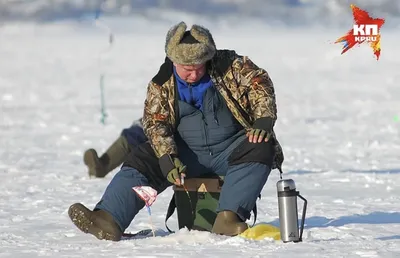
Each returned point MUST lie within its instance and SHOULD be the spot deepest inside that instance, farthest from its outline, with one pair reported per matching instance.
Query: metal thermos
(288, 214)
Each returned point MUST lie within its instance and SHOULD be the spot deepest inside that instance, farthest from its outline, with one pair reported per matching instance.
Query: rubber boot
(112, 158)
(229, 224)
(98, 223)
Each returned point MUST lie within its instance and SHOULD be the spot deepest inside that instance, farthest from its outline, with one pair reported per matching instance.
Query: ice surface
(335, 124)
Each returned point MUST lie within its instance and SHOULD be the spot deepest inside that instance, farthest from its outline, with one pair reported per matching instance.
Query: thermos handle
(303, 216)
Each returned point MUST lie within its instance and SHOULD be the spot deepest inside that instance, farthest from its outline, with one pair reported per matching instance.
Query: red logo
(365, 29)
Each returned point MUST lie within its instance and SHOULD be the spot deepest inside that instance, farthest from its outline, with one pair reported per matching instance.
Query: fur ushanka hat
(192, 47)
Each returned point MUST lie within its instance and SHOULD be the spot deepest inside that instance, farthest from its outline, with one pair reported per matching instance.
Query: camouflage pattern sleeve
(156, 123)
(260, 89)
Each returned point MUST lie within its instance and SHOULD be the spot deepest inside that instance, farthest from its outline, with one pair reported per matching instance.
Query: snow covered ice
(336, 125)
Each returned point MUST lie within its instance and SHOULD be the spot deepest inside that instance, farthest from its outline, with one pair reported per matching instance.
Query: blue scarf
(193, 93)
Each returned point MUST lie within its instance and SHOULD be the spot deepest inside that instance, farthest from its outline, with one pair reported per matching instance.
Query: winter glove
(261, 131)
(172, 168)
(257, 135)
(176, 172)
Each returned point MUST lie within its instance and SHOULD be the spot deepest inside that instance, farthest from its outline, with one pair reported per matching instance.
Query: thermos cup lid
(285, 185)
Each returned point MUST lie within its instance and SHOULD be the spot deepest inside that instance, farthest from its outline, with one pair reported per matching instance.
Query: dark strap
(255, 214)
(170, 211)
(172, 207)
(255, 211)
(280, 172)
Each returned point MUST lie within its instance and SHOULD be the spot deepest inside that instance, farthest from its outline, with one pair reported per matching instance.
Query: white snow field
(336, 125)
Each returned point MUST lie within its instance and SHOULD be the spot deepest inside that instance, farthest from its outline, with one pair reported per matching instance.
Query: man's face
(190, 73)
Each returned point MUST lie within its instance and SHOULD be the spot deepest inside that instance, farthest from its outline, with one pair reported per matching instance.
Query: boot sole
(80, 216)
(90, 159)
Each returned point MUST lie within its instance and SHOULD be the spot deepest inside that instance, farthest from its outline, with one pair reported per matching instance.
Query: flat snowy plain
(336, 125)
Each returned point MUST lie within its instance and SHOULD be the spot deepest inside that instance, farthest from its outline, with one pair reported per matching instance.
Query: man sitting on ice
(207, 111)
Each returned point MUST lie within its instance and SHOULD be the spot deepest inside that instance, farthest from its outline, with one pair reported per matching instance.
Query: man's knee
(249, 171)
(128, 172)
(124, 180)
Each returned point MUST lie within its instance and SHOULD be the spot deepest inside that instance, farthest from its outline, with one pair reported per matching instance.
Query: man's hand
(175, 174)
(257, 135)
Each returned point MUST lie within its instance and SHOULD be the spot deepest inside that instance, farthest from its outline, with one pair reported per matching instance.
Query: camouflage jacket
(246, 88)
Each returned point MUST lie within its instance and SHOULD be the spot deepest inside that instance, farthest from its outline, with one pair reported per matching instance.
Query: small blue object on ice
(97, 14)
(103, 105)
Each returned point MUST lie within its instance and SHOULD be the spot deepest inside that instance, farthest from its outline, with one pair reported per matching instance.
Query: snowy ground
(336, 125)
